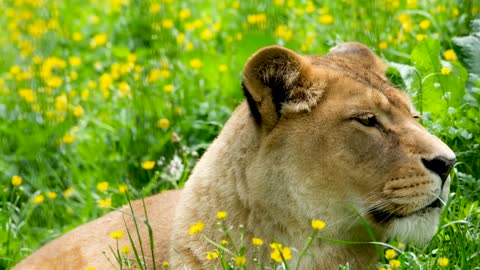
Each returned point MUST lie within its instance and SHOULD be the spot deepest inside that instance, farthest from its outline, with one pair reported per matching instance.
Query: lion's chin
(418, 228)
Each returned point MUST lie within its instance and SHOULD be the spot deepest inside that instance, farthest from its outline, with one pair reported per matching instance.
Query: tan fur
(288, 157)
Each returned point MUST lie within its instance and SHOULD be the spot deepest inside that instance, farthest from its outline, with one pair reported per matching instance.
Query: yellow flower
(445, 71)
(443, 262)
(382, 268)
(16, 180)
(421, 37)
(223, 68)
(61, 102)
(124, 88)
(73, 75)
(196, 228)
(390, 254)
(168, 88)
(116, 235)
(68, 192)
(165, 264)
(90, 268)
(76, 36)
(78, 111)
(326, 19)
(163, 123)
(180, 38)
(104, 203)
(38, 199)
(282, 31)
(318, 224)
(425, 24)
(278, 2)
(148, 165)
(27, 94)
(394, 264)
(54, 82)
(51, 195)
(98, 40)
(278, 252)
(125, 250)
(257, 241)
(154, 8)
(211, 255)
(94, 19)
(240, 260)
(196, 63)
(75, 61)
(85, 94)
(122, 188)
(224, 242)
(102, 186)
(221, 215)
(184, 13)
(383, 45)
(68, 138)
(167, 23)
(450, 55)
(206, 34)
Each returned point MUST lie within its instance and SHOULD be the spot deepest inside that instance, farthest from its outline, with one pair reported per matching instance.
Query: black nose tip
(439, 165)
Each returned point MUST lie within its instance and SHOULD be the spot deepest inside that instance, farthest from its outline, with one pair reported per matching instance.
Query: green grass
(123, 99)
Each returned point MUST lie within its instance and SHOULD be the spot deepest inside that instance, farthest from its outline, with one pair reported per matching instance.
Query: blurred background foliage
(100, 97)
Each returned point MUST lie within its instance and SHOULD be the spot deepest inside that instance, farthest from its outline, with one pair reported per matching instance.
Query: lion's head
(339, 138)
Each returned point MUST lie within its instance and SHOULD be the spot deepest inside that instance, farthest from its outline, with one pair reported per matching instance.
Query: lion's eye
(367, 120)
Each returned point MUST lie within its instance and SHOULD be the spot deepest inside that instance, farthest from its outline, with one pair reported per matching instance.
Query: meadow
(100, 98)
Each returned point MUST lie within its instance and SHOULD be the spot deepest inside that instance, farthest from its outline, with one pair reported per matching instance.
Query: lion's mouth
(382, 217)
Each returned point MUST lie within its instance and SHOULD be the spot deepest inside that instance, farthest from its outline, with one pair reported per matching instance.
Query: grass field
(102, 97)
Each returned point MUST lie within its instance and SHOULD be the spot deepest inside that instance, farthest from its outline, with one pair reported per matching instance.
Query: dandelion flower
(76, 36)
(165, 264)
(196, 228)
(78, 111)
(326, 19)
(450, 55)
(184, 13)
(224, 243)
(68, 138)
(421, 37)
(223, 68)
(51, 195)
(125, 250)
(211, 255)
(68, 192)
(445, 71)
(383, 45)
(394, 264)
(102, 186)
(154, 8)
(104, 203)
(443, 262)
(122, 188)
(279, 251)
(116, 235)
(221, 215)
(257, 241)
(148, 165)
(163, 123)
(168, 88)
(390, 254)
(167, 23)
(196, 63)
(75, 61)
(38, 199)
(240, 261)
(318, 224)
(98, 40)
(425, 24)
(16, 180)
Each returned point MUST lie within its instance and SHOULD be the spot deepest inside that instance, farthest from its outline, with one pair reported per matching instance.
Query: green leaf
(437, 92)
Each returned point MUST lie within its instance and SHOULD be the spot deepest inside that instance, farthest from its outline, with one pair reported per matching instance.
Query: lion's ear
(361, 55)
(276, 81)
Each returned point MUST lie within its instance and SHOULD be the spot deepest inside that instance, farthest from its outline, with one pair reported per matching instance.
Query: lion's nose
(439, 165)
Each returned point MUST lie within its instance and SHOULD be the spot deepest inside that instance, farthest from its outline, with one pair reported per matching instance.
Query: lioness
(318, 137)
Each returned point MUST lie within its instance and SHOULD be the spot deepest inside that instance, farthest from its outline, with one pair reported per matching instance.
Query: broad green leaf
(437, 92)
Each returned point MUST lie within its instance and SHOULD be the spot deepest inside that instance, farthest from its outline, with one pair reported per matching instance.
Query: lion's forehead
(355, 78)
